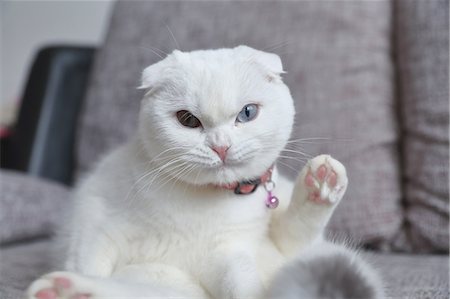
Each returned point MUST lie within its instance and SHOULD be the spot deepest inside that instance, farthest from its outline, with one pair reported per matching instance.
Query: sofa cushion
(29, 207)
(21, 264)
(413, 276)
(405, 276)
(422, 35)
(337, 56)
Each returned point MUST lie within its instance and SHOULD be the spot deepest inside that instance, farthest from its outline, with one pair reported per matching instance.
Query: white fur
(148, 219)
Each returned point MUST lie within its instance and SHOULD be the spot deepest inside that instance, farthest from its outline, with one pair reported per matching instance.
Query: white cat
(161, 216)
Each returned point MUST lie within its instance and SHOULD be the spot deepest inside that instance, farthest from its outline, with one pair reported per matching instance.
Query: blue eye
(248, 113)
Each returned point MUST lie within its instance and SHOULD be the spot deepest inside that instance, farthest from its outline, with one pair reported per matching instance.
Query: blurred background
(27, 26)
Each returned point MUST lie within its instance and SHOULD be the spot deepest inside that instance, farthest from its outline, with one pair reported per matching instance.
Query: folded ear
(271, 63)
(156, 73)
(151, 75)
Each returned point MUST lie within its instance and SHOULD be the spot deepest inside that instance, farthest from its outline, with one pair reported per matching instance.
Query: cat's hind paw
(325, 179)
(60, 285)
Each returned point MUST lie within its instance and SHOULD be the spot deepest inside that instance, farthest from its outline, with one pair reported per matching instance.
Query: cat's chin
(223, 175)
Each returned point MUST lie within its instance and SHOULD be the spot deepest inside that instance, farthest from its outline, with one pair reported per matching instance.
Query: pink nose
(221, 151)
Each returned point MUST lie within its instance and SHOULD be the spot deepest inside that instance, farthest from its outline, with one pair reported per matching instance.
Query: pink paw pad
(332, 179)
(315, 197)
(62, 283)
(46, 294)
(321, 183)
(309, 180)
(321, 172)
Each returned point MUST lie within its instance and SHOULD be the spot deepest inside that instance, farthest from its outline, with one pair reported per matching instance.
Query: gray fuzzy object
(338, 273)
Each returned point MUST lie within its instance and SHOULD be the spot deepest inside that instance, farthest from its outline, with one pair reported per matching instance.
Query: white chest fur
(180, 224)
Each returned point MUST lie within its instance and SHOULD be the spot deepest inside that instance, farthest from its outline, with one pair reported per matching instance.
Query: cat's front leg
(62, 285)
(93, 258)
(317, 191)
(69, 285)
(92, 241)
(92, 253)
(233, 274)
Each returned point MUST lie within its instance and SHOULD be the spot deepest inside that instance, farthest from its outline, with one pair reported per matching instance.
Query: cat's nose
(221, 151)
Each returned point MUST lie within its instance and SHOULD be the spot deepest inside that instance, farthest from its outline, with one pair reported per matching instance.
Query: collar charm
(271, 200)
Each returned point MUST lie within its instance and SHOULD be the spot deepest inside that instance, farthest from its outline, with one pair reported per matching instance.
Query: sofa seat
(413, 276)
(21, 263)
(30, 206)
(405, 276)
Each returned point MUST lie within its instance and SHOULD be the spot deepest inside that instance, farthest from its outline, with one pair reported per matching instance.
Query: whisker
(173, 37)
(287, 165)
(151, 171)
(277, 45)
(160, 51)
(163, 176)
(297, 152)
(161, 169)
(294, 158)
(319, 140)
(153, 51)
(147, 174)
(176, 177)
(193, 168)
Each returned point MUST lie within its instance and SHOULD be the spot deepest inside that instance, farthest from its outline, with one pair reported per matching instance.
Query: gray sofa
(370, 83)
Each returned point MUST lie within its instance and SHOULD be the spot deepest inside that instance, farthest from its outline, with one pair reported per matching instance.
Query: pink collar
(249, 186)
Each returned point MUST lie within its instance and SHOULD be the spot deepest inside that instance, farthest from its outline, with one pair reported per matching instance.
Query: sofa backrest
(422, 52)
(339, 67)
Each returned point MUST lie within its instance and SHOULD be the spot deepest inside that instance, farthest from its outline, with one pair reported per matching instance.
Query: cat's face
(215, 116)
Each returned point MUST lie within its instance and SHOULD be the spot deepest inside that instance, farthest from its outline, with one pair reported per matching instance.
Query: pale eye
(187, 119)
(248, 113)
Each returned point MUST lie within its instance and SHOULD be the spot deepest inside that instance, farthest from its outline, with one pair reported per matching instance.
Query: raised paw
(325, 179)
(59, 285)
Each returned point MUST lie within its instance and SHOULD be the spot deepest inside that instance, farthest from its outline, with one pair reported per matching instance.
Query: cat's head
(215, 116)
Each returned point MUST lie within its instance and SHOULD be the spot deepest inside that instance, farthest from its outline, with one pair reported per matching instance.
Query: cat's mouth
(222, 165)
(205, 171)
(229, 173)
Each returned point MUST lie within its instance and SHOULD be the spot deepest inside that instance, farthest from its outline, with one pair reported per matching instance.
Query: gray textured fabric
(413, 276)
(405, 276)
(337, 55)
(22, 263)
(8, 292)
(422, 37)
(327, 276)
(29, 206)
